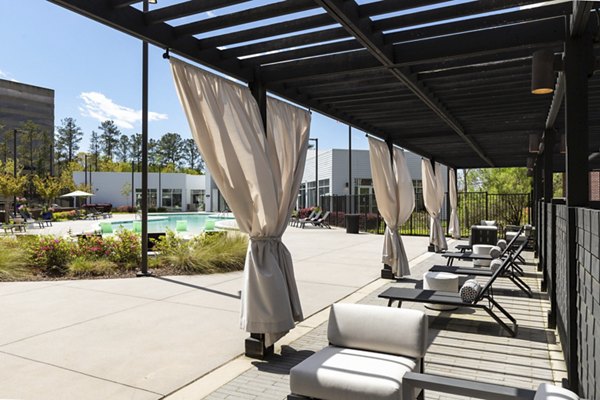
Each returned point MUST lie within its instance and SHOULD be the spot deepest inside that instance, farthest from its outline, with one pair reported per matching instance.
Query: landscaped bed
(38, 257)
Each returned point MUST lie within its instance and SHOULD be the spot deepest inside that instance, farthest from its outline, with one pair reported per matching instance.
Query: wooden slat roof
(445, 79)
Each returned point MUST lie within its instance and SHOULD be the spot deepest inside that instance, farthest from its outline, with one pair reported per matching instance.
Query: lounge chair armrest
(412, 381)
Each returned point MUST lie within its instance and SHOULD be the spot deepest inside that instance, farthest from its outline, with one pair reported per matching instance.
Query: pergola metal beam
(132, 22)
(346, 13)
(579, 21)
(186, 9)
(245, 16)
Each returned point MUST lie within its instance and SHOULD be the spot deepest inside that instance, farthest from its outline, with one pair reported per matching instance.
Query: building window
(324, 189)
(171, 198)
(594, 185)
(152, 199)
(197, 201)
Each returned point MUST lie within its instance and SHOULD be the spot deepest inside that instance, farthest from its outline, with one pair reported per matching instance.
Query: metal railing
(505, 209)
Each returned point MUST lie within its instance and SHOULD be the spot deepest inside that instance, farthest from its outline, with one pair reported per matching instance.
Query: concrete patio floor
(145, 338)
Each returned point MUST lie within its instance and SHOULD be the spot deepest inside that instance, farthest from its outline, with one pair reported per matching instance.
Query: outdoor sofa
(370, 349)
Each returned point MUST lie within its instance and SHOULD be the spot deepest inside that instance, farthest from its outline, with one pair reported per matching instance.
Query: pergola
(449, 80)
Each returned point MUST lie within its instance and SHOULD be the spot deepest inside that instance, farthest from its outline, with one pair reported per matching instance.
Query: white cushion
(336, 373)
(377, 328)
(488, 223)
(550, 392)
(495, 264)
(470, 290)
(495, 251)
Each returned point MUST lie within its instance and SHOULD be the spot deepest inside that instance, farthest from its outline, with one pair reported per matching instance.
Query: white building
(183, 192)
(333, 173)
(173, 191)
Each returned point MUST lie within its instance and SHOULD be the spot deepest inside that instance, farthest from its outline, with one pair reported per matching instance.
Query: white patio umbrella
(76, 194)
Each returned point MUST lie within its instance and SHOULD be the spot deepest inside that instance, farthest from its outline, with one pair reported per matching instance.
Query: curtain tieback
(266, 238)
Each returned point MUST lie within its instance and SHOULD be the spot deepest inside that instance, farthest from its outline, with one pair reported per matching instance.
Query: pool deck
(147, 338)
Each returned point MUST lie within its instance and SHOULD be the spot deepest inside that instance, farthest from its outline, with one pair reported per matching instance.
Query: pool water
(161, 222)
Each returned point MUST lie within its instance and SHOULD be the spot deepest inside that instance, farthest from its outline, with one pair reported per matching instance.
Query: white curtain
(395, 200)
(259, 176)
(453, 227)
(433, 197)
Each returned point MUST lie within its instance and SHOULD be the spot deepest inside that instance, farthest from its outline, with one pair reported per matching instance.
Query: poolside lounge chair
(470, 256)
(484, 296)
(509, 271)
(370, 349)
(486, 391)
(317, 221)
(313, 214)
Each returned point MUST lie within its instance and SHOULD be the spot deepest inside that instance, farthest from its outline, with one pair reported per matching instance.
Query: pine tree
(170, 146)
(109, 138)
(123, 149)
(68, 136)
(192, 155)
(95, 147)
(136, 148)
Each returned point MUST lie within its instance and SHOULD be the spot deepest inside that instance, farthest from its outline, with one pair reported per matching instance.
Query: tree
(136, 148)
(123, 149)
(191, 155)
(11, 185)
(68, 136)
(169, 146)
(154, 156)
(49, 187)
(109, 138)
(512, 182)
(95, 147)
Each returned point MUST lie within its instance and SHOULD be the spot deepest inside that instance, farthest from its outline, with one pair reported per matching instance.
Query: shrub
(13, 260)
(125, 248)
(208, 253)
(85, 267)
(64, 215)
(91, 247)
(161, 209)
(126, 209)
(52, 254)
(151, 209)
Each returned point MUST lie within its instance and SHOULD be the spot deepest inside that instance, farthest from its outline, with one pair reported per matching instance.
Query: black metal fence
(505, 209)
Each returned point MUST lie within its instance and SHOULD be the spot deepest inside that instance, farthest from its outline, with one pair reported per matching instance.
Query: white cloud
(210, 13)
(98, 106)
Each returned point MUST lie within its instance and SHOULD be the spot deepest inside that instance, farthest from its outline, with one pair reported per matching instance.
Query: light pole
(316, 140)
(15, 165)
(132, 184)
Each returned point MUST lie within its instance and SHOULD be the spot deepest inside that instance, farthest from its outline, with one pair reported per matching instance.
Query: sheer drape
(453, 226)
(433, 197)
(259, 176)
(395, 200)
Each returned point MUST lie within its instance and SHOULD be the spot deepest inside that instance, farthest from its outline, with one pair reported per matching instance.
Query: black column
(577, 65)
(548, 193)
(255, 344)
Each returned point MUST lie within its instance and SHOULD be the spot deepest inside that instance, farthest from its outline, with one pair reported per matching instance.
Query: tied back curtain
(395, 200)
(433, 197)
(259, 176)
(453, 227)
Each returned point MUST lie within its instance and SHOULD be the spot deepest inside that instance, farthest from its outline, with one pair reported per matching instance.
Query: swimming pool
(194, 222)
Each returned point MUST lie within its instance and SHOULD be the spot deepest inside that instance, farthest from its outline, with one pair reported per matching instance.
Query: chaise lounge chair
(470, 256)
(509, 271)
(486, 391)
(319, 221)
(485, 295)
(312, 217)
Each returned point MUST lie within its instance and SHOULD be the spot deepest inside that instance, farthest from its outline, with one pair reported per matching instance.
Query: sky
(95, 72)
